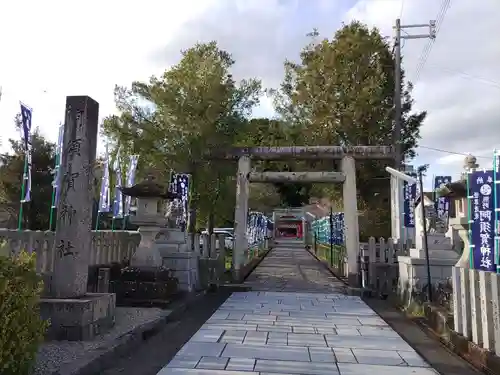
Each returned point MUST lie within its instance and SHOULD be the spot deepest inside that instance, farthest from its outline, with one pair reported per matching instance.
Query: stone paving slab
(292, 269)
(296, 320)
(263, 332)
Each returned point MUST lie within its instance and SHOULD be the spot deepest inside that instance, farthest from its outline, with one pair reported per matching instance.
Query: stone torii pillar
(241, 213)
(351, 224)
(348, 176)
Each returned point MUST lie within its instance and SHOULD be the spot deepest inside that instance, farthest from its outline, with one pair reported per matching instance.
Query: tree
(342, 93)
(274, 133)
(173, 120)
(36, 213)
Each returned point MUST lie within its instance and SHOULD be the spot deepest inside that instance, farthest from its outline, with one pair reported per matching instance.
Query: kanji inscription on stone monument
(74, 215)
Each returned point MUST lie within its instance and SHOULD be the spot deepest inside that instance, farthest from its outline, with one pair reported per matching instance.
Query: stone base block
(79, 318)
(144, 286)
(185, 268)
(413, 273)
(353, 280)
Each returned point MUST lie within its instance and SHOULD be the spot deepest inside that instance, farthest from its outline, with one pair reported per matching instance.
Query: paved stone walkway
(293, 269)
(293, 331)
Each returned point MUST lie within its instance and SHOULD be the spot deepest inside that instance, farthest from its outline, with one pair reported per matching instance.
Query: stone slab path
(292, 268)
(294, 331)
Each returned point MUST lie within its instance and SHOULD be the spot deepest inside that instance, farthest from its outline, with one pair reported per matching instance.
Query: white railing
(108, 246)
(476, 307)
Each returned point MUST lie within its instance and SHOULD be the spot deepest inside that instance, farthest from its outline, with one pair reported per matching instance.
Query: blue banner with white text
(26, 116)
(410, 195)
(104, 199)
(442, 203)
(482, 223)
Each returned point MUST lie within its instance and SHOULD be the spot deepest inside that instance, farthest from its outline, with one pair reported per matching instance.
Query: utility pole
(397, 78)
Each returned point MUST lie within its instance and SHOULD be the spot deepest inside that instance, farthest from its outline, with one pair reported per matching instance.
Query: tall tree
(342, 93)
(274, 133)
(36, 213)
(172, 120)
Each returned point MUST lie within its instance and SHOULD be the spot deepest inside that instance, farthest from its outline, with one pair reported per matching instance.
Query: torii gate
(347, 176)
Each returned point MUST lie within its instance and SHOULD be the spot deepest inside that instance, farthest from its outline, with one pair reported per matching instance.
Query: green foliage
(342, 93)
(273, 133)
(37, 212)
(21, 327)
(171, 121)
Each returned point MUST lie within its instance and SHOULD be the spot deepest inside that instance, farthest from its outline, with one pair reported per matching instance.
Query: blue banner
(442, 203)
(26, 115)
(410, 195)
(104, 200)
(496, 193)
(55, 182)
(256, 228)
(482, 220)
(118, 199)
(132, 167)
(180, 185)
(325, 234)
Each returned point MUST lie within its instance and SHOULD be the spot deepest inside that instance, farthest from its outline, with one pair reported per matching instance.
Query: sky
(54, 48)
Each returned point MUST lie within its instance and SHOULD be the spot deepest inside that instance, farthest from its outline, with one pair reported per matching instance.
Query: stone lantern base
(144, 286)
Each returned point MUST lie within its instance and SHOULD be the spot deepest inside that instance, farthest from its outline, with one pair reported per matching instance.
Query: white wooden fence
(476, 307)
(378, 264)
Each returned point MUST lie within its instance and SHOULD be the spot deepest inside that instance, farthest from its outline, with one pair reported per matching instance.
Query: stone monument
(146, 281)
(75, 314)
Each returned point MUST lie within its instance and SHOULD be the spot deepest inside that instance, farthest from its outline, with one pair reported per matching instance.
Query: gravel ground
(52, 355)
(158, 350)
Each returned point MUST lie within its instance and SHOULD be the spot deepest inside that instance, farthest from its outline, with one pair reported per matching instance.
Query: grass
(323, 252)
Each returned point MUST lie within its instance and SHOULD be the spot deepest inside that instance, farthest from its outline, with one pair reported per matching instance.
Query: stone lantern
(150, 222)
(146, 280)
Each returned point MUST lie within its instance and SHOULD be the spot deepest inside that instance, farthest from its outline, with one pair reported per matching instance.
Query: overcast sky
(54, 48)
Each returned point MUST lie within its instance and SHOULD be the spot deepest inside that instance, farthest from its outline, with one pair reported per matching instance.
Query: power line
(428, 47)
(450, 152)
(397, 77)
(402, 9)
(469, 76)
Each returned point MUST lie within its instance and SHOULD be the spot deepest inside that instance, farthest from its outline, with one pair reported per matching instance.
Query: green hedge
(21, 327)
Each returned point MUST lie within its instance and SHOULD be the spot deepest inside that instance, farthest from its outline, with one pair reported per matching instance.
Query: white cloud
(55, 48)
(63, 49)
(459, 85)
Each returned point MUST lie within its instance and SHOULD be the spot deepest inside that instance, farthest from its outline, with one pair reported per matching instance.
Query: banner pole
(23, 188)
(469, 207)
(496, 250)
(52, 208)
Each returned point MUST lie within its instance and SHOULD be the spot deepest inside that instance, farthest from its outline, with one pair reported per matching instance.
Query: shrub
(21, 327)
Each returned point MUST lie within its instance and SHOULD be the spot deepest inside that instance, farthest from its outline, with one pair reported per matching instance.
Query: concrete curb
(105, 356)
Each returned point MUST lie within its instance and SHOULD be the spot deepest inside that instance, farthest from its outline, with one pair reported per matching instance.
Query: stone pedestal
(150, 223)
(75, 314)
(184, 267)
(79, 319)
(440, 247)
(147, 281)
(413, 268)
(461, 225)
(176, 254)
